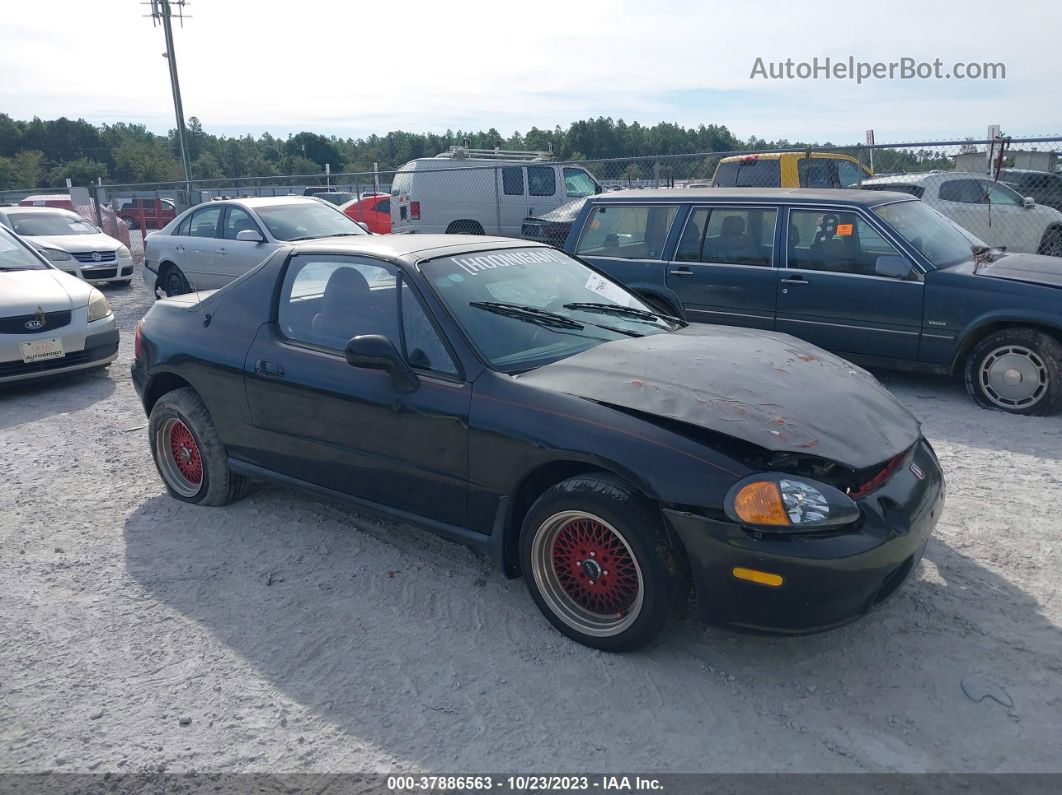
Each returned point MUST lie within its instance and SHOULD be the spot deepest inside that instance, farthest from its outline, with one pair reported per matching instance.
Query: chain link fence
(1005, 192)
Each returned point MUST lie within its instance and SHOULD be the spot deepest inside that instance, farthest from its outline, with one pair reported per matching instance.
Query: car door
(197, 256)
(723, 269)
(830, 293)
(235, 257)
(349, 429)
(512, 199)
(963, 201)
(629, 242)
(1022, 226)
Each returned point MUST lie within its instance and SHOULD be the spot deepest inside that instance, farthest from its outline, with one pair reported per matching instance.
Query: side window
(578, 184)
(961, 190)
(739, 236)
(749, 172)
(689, 247)
(422, 346)
(513, 181)
(383, 206)
(848, 173)
(1001, 195)
(236, 221)
(627, 232)
(185, 226)
(541, 180)
(819, 172)
(326, 300)
(205, 222)
(837, 242)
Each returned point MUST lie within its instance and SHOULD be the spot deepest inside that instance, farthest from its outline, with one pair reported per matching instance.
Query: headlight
(123, 252)
(98, 307)
(55, 255)
(782, 503)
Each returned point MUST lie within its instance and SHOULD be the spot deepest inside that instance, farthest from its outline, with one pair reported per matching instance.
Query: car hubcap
(587, 573)
(1013, 377)
(179, 458)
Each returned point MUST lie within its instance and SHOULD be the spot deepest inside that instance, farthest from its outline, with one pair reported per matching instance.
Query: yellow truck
(790, 170)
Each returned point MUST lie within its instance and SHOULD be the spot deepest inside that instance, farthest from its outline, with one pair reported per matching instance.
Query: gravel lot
(287, 633)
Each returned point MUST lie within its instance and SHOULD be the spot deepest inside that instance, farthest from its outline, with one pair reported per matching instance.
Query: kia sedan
(208, 246)
(505, 395)
(50, 322)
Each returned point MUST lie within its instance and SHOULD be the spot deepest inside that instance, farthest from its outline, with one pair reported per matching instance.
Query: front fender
(982, 324)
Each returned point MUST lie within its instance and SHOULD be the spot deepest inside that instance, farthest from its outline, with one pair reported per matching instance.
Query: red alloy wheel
(185, 453)
(594, 567)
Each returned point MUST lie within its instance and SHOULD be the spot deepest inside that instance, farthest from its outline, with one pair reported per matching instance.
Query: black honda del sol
(509, 397)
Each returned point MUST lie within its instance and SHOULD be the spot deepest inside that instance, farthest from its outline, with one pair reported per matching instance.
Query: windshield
(306, 220)
(55, 224)
(565, 213)
(526, 307)
(14, 256)
(943, 242)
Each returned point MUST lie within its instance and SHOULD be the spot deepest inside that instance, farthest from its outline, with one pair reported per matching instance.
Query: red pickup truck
(146, 213)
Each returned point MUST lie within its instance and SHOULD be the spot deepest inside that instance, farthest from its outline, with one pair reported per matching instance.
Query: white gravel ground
(286, 633)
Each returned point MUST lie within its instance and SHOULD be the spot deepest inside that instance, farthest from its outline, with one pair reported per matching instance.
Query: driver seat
(346, 306)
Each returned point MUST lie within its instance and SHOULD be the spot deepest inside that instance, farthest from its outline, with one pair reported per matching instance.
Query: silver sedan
(209, 245)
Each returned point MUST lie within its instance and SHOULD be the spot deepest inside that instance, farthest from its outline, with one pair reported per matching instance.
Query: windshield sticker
(607, 289)
(844, 230)
(482, 262)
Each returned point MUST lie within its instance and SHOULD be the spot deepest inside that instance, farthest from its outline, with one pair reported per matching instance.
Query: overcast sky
(353, 68)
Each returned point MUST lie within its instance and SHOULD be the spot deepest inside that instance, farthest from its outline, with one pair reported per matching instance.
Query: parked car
(992, 211)
(374, 211)
(71, 243)
(473, 191)
(1045, 188)
(552, 227)
(208, 246)
(50, 322)
(139, 213)
(507, 396)
(338, 198)
(111, 224)
(877, 277)
(790, 170)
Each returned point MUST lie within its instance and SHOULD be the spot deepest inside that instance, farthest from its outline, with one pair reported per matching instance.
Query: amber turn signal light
(760, 503)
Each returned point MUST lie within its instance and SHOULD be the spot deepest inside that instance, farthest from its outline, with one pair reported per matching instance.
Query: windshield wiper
(625, 311)
(531, 314)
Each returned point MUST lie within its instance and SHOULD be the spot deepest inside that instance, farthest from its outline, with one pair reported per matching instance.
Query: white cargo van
(480, 191)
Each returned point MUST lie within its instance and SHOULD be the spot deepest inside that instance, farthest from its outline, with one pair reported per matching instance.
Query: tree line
(45, 153)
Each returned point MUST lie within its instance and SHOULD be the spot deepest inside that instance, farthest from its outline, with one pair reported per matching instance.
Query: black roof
(866, 198)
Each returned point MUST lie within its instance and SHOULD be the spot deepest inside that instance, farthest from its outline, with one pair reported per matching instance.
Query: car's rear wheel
(173, 282)
(1017, 370)
(1051, 244)
(188, 452)
(598, 563)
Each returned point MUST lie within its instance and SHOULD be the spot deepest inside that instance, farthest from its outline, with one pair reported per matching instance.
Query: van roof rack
(468, 153)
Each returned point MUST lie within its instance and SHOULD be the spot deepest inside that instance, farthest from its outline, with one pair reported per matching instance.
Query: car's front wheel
(188, 452)
(1051, 243)
(173, 282)
(1017, 370)
(598, 563)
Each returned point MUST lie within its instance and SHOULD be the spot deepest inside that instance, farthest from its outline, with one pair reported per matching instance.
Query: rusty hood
(769, 389)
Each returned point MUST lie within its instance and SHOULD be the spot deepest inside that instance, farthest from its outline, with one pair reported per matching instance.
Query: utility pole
(161, 11)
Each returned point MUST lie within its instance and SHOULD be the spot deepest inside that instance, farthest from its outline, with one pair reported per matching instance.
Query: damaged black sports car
(508, 396)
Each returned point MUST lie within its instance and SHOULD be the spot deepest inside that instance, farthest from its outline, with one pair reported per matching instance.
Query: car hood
(772, 390)
(1032, 268)
(21, 292)
(99, 242)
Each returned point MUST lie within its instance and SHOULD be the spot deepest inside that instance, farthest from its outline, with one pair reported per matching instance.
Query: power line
(162, 11)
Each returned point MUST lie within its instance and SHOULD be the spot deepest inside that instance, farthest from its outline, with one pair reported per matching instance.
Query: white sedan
(50, 322)
(71, 243)
(992, 211)
(208, 246)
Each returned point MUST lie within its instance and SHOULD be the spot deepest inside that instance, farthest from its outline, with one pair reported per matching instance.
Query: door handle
(268, 368)
(795, 280)
(681, 272)
(221, 251)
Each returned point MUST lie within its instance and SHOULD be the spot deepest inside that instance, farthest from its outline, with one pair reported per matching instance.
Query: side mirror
(376, 352)
(1028, 202)
(893, 266)
(363, 225)
(250, 236)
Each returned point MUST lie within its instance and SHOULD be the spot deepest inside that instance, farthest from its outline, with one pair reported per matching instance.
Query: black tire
(1001, 368)
(173, 282)
(566, 523)
(1051, 243)
(180, 418)
(465, 228)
